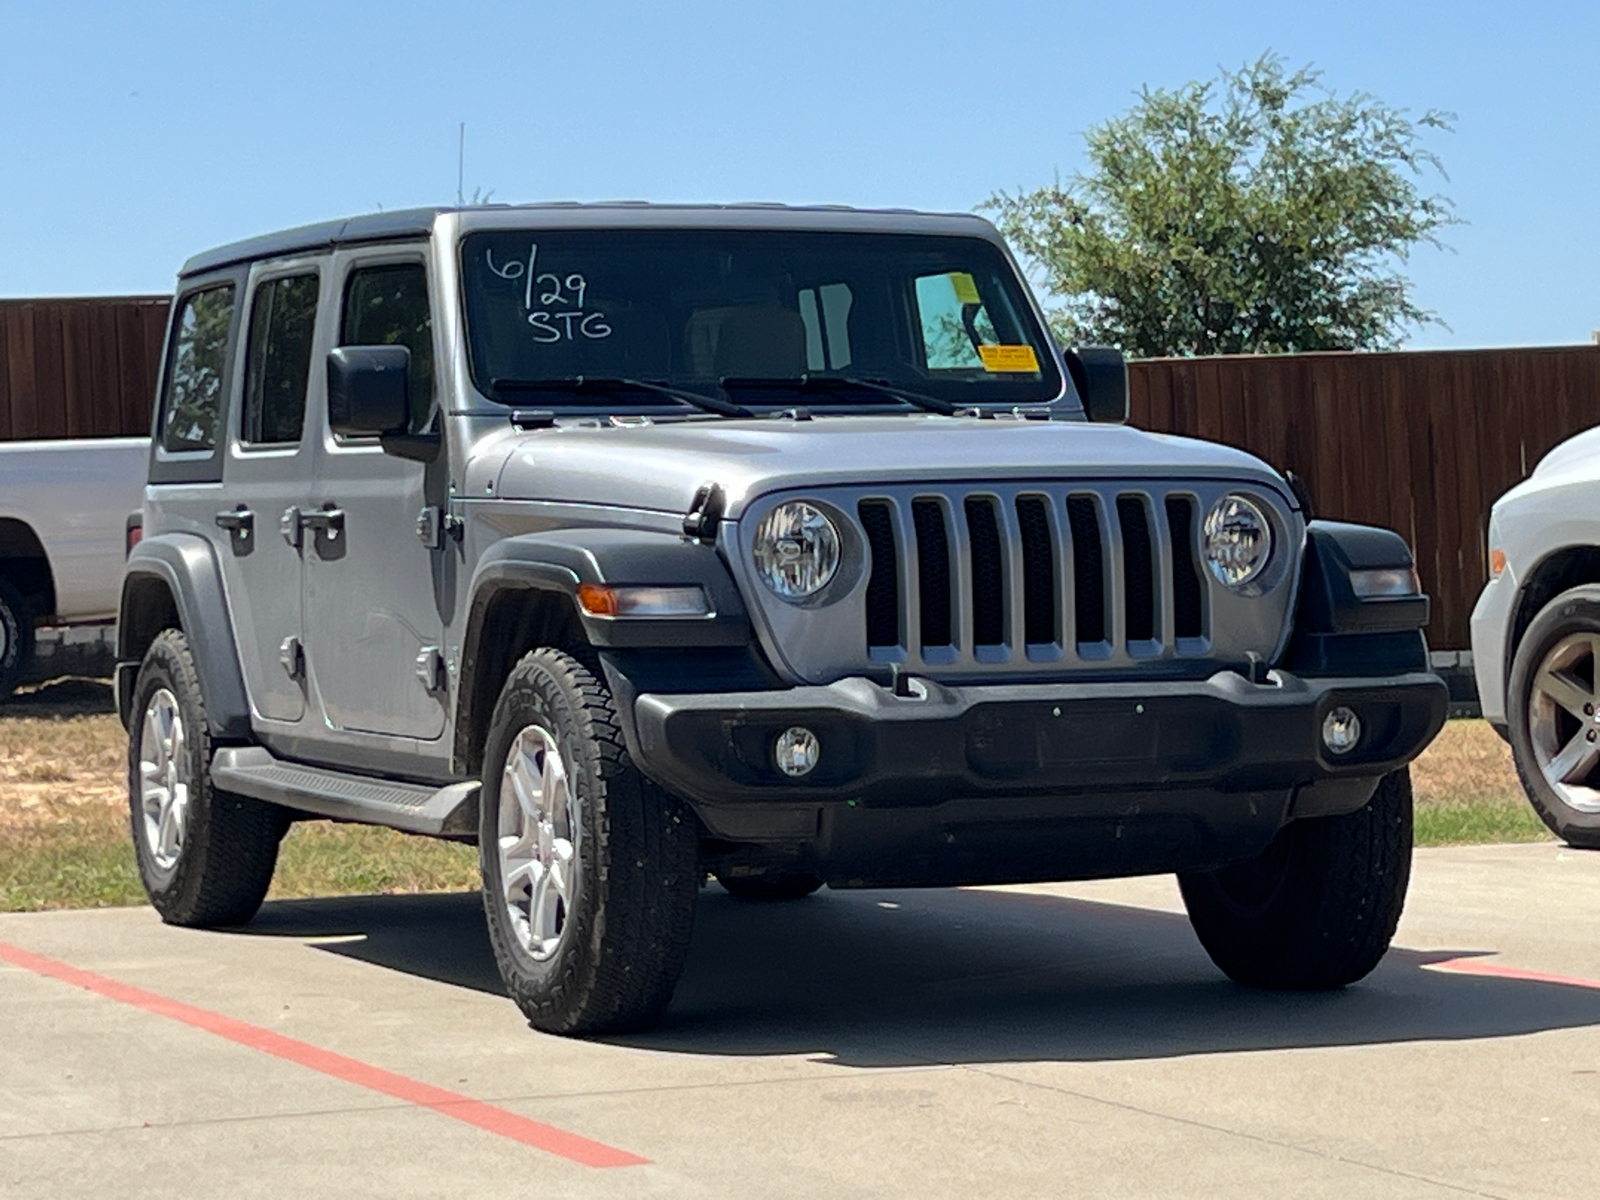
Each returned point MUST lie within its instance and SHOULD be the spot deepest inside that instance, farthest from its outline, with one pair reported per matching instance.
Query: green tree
(1256, 213)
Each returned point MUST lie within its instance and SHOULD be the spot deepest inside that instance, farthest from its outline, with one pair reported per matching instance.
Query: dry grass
(1467, 790)
(64, 837)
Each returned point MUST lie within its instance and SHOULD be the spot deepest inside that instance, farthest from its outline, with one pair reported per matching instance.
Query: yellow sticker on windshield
(1009, 358)
(966, 287)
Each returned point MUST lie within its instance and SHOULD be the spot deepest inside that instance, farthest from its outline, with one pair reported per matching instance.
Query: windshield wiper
(578, 384)
(843, 383)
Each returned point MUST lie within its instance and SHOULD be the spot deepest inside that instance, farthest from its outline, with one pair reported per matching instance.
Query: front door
(373, 592)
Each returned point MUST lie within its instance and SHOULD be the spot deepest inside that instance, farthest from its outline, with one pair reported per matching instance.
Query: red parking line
(424, 1095)
(1479, 966)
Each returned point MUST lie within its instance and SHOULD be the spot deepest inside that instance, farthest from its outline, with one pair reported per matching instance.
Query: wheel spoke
(1565, 691)
(542, 910)
(1575, 762)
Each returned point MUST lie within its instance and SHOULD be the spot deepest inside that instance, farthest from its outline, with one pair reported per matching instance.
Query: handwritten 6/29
(554, 304)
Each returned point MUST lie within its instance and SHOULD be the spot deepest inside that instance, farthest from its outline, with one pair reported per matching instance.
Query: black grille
(1088, 568)
(1038, 572)
(883, 585)
(1138, 569)
(933, 557)
(988, 574)
(1188, 619)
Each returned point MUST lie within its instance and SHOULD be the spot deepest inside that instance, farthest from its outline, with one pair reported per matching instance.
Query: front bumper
(1227, 760)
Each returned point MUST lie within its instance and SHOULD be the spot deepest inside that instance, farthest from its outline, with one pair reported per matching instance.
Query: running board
(450, 811)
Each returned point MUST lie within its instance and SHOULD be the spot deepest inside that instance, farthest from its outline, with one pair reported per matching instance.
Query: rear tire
(16, 636)
(1318, 909)
(590, 871)
(775, 885)
(206, 857)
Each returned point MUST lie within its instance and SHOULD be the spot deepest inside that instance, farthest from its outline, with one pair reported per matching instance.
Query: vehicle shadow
(889, 978)
(67, 697)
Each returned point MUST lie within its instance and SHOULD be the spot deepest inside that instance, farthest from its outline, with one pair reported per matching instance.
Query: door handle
(329, 522)
(241, 526)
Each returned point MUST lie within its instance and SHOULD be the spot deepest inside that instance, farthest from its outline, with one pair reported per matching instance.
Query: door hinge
(289, 526)
(430, 669)
(293, 657)
(434, 525)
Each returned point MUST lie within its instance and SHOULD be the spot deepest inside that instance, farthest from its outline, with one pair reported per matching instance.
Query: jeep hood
(660, 466)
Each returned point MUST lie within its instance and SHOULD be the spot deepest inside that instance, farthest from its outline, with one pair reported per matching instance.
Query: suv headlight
(796, 550)
(1238, 540)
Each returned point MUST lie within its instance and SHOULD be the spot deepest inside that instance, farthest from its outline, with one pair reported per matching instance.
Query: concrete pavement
(1064, 1040)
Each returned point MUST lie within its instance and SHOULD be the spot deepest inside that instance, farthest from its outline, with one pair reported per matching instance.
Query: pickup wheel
(205, 856)
(590, 872)
(1553, 712)
(16, 636)
(1318, 908)
(775, 885)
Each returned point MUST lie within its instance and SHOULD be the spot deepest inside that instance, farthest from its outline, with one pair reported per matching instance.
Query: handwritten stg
(554, 303)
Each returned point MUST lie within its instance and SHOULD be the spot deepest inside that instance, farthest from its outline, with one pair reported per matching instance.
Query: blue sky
(132, 136)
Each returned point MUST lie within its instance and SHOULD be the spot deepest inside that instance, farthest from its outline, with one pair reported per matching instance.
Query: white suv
(1536, 635)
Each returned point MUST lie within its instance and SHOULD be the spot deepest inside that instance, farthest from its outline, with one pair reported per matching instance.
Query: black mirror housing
(1101, 377)
(369, 391)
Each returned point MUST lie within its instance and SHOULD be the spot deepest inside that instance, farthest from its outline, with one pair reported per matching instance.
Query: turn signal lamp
(603, 600)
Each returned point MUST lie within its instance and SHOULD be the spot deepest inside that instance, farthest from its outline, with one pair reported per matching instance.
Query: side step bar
(450, 811)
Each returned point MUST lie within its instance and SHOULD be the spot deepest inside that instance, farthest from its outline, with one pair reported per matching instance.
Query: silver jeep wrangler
(639, 543)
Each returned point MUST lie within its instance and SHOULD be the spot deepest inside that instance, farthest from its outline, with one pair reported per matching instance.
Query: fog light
(1341, 730)
(797, 751)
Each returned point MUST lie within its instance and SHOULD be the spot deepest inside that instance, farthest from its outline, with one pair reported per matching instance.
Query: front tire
(1318, 908)
(590, 872)
(1553, 712)
(205, 856)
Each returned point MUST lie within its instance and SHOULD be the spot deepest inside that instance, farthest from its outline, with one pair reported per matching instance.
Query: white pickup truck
(64, 509)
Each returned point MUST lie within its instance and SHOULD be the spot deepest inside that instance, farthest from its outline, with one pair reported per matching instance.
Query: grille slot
(933, 583)
(1088, 570)
(1038, 571)
(883, 585)
(1138, 570)
(988, 573)
(1188, 614)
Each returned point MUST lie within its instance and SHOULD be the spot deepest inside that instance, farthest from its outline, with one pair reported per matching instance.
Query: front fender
(562, 560)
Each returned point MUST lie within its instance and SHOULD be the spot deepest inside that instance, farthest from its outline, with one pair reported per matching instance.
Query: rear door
(267, 473)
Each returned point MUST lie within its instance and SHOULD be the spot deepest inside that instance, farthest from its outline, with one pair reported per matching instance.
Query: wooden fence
(1421, 442)
(79, 367)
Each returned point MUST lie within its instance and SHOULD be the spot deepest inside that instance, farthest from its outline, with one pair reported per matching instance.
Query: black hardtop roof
(411, 224)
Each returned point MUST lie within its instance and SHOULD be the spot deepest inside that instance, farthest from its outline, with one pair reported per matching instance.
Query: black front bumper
(1031, 780)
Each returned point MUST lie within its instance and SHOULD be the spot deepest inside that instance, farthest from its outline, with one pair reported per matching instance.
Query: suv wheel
(1553, 710)
(774, 885)
(206, 857)
(1318, 908)
(16, 636)
(590, 872)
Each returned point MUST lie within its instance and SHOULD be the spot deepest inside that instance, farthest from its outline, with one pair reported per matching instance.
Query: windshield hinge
(532, 418)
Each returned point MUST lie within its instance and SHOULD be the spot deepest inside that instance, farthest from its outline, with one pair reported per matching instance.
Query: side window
(283, 320)
(826, 313)
(193, 401)
(954, 321)
(388, 306)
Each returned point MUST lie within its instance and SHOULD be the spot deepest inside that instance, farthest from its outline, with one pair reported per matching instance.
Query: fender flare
(186, 565)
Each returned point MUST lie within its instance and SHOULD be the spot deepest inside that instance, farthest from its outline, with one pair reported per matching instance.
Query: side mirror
(369, 391)
(1101, 376)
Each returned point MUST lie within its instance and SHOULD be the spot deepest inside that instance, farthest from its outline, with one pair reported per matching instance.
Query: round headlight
(1238, 540)
(796, 550)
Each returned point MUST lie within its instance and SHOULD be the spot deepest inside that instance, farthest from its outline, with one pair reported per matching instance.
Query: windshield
(739, 312)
